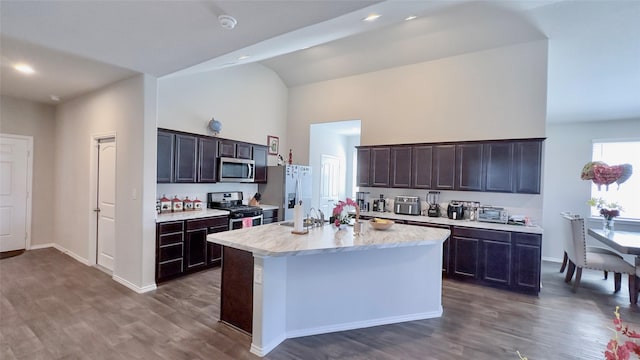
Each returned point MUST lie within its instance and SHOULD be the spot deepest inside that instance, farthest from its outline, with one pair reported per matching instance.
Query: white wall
(22, 117)
(568, 148)
(493, 94)
(125, 108)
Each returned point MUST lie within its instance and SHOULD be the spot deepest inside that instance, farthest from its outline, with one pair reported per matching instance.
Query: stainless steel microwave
(236, 170)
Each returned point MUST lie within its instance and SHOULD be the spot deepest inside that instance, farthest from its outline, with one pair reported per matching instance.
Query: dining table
(624, 242)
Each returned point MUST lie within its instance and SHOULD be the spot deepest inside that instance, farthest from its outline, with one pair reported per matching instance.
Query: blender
(434, 206)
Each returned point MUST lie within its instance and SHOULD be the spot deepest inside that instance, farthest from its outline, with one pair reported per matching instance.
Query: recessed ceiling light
(410, 17)
(24, 68)
(372, 17)
(243, 57)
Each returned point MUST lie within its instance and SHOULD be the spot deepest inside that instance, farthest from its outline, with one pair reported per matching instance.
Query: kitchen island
(327, 280)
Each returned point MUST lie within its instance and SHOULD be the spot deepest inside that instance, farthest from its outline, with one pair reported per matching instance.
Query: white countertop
(188, 215)
(447, 221)
(277, 240)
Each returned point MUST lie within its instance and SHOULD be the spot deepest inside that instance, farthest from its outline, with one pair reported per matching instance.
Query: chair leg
(617, 281)
(564, 262)
(634, 287)
(576, 283)
(606, 275)
(570, 271)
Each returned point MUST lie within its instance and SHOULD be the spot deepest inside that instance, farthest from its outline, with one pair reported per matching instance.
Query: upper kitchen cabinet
(166, 142)
(260, 158)
(444, 169)
(380, 166)
(363, 167)
(244, 151)
(469, 167)
(207, 160)
(498, 160)
(186, 151)
(401, 169)
(226, 148)
(422, 159)
(527, 166)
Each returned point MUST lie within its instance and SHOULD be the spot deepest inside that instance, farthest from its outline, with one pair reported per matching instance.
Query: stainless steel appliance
(379, 204)
(362, 199)
(286, 186)
(236, 170)
(239, 215)
(407, 205)
(493, 214)
(434, 206)
(455, 210)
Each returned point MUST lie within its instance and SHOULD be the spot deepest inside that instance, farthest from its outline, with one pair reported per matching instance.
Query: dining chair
(568, 239)
(579, 258)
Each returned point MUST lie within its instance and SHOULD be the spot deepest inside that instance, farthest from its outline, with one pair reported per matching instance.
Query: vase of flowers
(340, 212)
(608, 211)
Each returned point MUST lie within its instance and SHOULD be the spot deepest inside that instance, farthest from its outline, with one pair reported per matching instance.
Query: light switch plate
(257, 275)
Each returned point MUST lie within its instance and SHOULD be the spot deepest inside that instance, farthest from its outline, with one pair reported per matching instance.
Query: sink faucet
(312, 218)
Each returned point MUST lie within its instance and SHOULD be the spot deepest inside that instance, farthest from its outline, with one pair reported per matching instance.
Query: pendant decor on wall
(215, 126)
(602, 174)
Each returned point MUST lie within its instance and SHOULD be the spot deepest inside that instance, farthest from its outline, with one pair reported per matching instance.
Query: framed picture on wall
(274, 144)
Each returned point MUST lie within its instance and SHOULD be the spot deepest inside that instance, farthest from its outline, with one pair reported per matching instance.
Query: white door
(330, 184)
(106, 202)
(14, 169)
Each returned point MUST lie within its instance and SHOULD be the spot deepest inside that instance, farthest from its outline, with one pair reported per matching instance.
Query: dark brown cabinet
(244, 151)
(401, 166)
(260, 158)
(227, 148)
(207, 160)
(380, 165)
(422, 158)
(469, 167)
(269, 216)
(444, 169)
(185, 158)
(527, 260)
(164, 160)
(236, 302)
(499, 170)
(465, 257)
(214, 251)
(363, 171)
(528, 166)
(169, 250)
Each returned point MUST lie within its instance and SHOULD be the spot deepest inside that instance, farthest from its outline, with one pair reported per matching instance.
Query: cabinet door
(380, 166)
(207, 150)
(363, 168)
(498, 166)
(227, 148)
(236, 300)
(496, 261)
(469, 167)
(244, 151)
(528, 165)
(465, 255)
(401, 166)
(260, 158)
(444, 168)
(169, 250)
(421, 170)
(185, 158)
(527, 262)
(195, 255)
(165, 157)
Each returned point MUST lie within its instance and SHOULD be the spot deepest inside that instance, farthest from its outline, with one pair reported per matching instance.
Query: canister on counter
(165, 204)
(187, 205)
(176, 204)
(197, 204)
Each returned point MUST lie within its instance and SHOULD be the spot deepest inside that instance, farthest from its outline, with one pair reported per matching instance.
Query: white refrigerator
(287, 185)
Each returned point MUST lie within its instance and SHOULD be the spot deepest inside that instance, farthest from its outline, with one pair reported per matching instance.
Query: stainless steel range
(239, 215)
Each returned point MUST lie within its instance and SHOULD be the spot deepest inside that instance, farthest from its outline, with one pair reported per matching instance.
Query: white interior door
(106, 201)
(330, 183)
(14, 160)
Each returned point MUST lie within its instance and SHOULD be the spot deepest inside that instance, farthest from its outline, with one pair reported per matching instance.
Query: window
(617, 152)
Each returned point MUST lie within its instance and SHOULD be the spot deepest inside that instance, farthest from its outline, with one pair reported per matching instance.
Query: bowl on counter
(380, 224)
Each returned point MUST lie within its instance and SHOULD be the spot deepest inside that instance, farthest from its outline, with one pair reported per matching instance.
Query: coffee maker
(362, 199)
(434, 207)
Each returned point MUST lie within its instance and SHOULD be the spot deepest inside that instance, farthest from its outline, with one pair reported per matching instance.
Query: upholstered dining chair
(580, 258)
(568, 239)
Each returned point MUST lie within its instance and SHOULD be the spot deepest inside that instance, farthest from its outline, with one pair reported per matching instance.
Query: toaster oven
(493, 214)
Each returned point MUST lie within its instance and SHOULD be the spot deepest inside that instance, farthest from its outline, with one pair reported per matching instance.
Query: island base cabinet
(236, 289)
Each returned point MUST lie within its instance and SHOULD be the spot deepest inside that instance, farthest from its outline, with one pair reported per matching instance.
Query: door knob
(96, 210)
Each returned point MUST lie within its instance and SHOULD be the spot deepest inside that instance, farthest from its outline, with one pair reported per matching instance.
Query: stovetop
(232, 202)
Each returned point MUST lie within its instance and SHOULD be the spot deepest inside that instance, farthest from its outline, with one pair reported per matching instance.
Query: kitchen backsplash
(200, 190)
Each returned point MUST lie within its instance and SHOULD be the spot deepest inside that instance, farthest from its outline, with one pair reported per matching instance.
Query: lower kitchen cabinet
(236, 302)
(269, 216)
(169, 250)
(527, 257)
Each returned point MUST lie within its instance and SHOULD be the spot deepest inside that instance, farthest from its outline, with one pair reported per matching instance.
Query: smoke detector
(228, 22)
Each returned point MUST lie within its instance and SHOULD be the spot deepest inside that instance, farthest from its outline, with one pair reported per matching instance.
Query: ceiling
(76, 46)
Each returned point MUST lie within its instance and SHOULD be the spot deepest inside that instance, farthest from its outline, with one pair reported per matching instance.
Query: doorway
(15, 192)
(105, 203)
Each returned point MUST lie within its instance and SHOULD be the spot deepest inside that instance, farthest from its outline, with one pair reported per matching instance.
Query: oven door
(238, 223)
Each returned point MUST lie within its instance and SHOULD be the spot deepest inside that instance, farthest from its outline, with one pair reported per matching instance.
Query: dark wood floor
(52, 307)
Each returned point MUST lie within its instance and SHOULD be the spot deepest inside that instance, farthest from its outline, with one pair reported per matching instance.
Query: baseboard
(41, 246)
(551, 259)
(264, 350)
(75, 256)
(134, 287)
